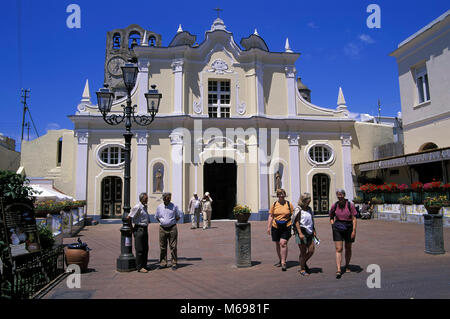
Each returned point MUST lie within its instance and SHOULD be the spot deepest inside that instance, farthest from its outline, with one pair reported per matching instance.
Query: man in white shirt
(167, 214)
(195, 207)
(140, 218)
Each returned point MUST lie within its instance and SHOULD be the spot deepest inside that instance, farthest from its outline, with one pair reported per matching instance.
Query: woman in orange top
(279, 226)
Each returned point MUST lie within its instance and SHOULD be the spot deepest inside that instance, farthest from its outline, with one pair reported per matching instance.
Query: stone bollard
(434, 235)
(243, 245)
(403, 213)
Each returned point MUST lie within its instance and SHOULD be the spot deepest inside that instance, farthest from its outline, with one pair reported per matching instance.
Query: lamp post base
(126, 261)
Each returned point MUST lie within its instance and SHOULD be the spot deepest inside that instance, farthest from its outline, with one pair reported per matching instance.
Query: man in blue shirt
(167, 214)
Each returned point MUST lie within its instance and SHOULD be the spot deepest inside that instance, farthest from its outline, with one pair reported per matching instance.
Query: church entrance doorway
(219, 179)
(112, 197)
(321, 193)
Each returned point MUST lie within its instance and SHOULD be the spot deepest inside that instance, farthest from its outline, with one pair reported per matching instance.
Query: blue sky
(337, 48)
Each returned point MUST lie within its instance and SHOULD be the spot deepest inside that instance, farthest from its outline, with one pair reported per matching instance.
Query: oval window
(320, 154)
(112, 155)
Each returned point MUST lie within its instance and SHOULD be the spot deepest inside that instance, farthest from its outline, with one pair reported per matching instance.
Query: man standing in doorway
(195, 208)
(140, 218)
(167, 214)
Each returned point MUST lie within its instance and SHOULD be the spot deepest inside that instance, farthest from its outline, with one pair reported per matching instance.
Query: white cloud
(52, 126)
(366, 38)
(354, 116)
(352, 50)
(312, 25)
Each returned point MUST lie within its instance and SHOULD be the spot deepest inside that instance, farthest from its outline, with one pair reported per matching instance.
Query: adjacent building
(424, 76)
(9, 157)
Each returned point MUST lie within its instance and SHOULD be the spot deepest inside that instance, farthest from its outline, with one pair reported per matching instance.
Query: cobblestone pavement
(206, 266)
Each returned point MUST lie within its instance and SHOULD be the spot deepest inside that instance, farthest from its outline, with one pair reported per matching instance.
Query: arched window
(320, 154)
(428, 146)
(59, 152)
(152, 41)
(116, 41)
(134, 39)
(112, 155)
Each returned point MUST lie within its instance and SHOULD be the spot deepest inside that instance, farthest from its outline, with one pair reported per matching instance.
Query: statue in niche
(277, 180)
(158, 177)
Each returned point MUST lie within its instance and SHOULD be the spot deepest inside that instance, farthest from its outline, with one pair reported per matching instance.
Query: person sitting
(367, 210)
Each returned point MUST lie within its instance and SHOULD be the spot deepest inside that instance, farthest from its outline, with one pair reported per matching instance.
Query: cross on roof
(218, 11)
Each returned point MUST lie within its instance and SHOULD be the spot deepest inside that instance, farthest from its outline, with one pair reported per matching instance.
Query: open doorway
(219, 179)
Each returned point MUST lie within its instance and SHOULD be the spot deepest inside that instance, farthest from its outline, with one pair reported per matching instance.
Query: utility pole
(27, 125)
(24, 101)
(379, 111)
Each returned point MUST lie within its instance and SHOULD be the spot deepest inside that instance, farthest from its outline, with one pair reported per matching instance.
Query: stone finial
(341, 99)
(180, 29)
(287, 47)
(341, 102)
(86, 97)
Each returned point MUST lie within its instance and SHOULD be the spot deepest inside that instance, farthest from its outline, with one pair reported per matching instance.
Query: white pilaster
(141, 163)
(177, 69)
(81, 165)
(142, 80)
(263, 172)
(259, 88)
(347, 165)
(294, 166)
(176, 140)
(291, 87)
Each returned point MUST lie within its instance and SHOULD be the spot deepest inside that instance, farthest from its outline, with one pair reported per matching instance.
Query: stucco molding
(219, 66)
(82, 137)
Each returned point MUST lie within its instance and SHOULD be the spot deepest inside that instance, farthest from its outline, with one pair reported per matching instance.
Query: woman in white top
(303, 219)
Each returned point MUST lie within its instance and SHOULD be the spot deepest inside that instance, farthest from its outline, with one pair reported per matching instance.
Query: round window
(320, 154)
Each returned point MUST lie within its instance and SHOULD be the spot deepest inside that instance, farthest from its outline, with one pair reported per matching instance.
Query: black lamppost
(126, 260)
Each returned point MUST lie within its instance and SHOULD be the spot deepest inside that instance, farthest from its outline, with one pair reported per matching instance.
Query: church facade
(234, 120)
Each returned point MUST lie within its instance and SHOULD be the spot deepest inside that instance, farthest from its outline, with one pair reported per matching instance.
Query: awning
(411, 159)
(49, 194)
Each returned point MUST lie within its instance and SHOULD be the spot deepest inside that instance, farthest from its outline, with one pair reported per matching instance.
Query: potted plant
(242, 213)
(405, 200)
(358, 200)
(434, 204)
(376, 201)
(78, 254)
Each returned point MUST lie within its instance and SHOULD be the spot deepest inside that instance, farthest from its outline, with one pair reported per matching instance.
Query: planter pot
(78, 257)
(243, 218)
(434, 210)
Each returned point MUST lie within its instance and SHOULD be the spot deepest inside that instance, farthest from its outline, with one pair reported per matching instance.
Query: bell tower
(119, 48)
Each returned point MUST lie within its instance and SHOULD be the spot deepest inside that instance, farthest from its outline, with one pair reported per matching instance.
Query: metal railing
(30, 273)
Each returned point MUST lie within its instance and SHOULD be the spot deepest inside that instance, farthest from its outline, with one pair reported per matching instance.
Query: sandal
(347, 269)
(307, 269)
(303, 273)
(338, 275)
(283, 267)
(278, 264)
